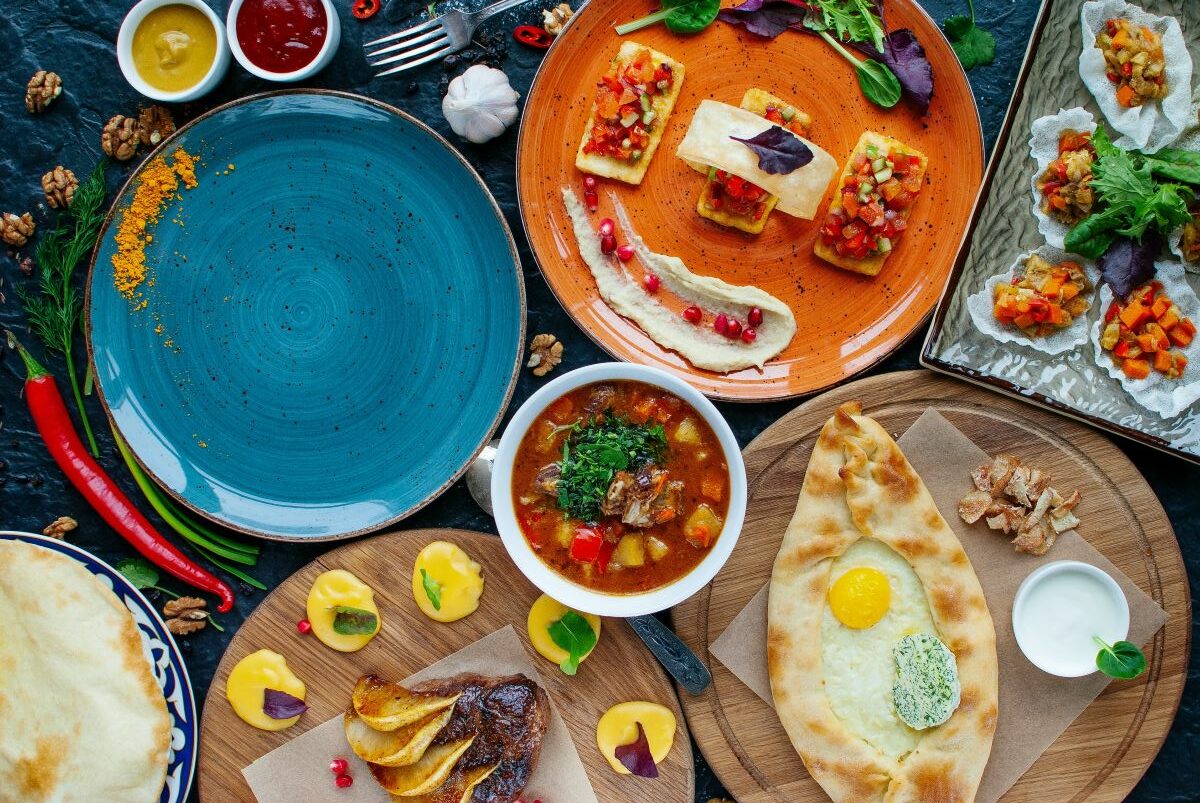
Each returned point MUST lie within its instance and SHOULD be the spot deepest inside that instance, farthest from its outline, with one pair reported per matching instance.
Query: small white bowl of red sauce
(619, 489)
(283, 40)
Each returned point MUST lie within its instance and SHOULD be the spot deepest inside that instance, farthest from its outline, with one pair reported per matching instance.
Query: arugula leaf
(973, 45)
(433, 590)
(574, 634)
(595, 452)
(139, 572)
(1122, 660)
(778, 150)
(348, 621)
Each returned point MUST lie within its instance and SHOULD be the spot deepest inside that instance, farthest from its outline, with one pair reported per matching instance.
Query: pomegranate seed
(720, 323)
(625, 252)
(748, 334)
(589, 183)
(304, 626)
(651, 281)
(608, 244)
(607, 227)
(693, 314)
(343, 782)
(733, 329)
(754, 317)
(339, 766)
(592, 200)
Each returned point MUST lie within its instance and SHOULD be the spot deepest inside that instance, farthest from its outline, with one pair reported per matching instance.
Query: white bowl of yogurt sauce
(1059, 611)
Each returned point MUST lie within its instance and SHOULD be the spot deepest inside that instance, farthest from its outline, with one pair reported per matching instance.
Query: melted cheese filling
(859, 669)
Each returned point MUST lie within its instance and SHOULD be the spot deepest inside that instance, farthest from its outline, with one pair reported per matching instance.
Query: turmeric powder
(157, 185)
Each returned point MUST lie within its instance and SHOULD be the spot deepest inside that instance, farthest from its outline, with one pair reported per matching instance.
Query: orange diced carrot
(1163, 362)
(712, 487)
(1051, 286)
(1160, 307)
(1134, 314)
(1125, 95)
(1147, 343)
(1136, 369)
(1170, 318)
(1182, 333)
(1069, 291)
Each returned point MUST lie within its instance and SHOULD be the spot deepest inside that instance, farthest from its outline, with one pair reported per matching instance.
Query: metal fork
(433, 39)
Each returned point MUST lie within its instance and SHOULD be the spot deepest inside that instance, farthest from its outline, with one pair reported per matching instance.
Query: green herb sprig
(877, 81)
(55, 307)
(1122, 660)
(433, 590)
(142, 575)
(973, 45)
(574, 634)
(838, 21)
(680, 16)
(594, 452)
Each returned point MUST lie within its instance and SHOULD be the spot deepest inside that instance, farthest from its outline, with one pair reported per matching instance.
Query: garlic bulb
(480, 104)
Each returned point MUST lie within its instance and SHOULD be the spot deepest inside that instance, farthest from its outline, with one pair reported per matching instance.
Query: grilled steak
(509, 717)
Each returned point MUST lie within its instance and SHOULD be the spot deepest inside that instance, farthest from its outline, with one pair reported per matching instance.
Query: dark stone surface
(76, 38)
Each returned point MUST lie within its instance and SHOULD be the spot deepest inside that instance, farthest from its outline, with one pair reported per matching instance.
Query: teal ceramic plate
(331, 324)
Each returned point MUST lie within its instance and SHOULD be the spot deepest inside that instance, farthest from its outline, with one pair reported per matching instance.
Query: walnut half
(60, 527)
(185, 615)
(545, 353)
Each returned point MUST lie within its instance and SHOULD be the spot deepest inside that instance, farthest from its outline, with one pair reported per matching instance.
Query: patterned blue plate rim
(181, 704)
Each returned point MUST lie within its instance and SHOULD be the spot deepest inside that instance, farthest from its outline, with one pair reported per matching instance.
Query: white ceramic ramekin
(125, 52)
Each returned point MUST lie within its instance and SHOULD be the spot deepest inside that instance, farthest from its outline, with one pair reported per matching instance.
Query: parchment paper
(1034, 707)
(298, 772)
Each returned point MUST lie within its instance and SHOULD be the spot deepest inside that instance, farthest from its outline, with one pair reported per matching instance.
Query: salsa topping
(1066, 184)
(869, 217)
(1145, 331)
(625, 113)
(637, 494)
(1045, 298)
(1189, 242)
(1134, 61)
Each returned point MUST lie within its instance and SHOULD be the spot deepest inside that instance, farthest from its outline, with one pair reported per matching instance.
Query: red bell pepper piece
(585, 547)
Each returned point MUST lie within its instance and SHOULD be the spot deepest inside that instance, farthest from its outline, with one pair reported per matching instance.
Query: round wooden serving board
(1097, 759)
(619, 669)
(846, 322)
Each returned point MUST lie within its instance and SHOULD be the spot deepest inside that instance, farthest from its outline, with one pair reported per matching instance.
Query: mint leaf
(433, 590)
(574, 634)
(1123, 661)
(349, 621)
(139, 572)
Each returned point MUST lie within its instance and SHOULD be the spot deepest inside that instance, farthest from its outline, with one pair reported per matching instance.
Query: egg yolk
(248, 682)
(446, 583)
(330, 590)
(619, 724)
(860, 597)
(545, 612)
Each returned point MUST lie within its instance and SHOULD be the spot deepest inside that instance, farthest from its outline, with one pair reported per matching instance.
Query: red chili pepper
(365, 9)
(54, 425)
(533, 35)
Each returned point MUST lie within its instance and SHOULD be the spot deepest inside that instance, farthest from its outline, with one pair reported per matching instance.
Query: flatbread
(859, 484)
(83, 718)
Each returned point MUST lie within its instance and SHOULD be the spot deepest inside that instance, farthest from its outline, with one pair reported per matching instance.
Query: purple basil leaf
(767, 18)
(906, 57)
(1128, 264)
(778, 151)
(281, 705)
(636, 756)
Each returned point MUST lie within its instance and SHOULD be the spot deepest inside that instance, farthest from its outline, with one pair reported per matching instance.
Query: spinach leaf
(595, 452)
(348, 621)
(778, 150)
(879, 84)
(1175, 164)
(973, 45)
(905, 57)
(433, 590)
(574, 634)
(1123, 661)
(1093, 235)
(680, 16)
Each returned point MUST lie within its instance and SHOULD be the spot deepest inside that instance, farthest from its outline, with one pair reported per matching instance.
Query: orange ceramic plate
(845, 323)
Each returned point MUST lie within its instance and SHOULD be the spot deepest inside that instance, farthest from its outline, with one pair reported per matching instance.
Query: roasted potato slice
(399, 748)
(426, 775)
(387, 706)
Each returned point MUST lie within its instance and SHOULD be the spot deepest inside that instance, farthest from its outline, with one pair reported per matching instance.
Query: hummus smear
(698, 344)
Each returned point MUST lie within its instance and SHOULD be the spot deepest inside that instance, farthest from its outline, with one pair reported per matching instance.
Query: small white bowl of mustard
(173, 50)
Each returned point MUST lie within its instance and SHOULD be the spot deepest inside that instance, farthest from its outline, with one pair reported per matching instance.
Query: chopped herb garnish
(349, 621)
(592, 455)
(433, 590)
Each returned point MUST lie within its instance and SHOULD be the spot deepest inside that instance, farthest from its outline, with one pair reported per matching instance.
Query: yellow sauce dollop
(545, 612)
(455, 580)
(174, 47)
(248, 682)
(618, 726)
(331, 589)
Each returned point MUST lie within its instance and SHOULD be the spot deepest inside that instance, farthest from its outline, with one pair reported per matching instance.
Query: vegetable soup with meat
(620, 486)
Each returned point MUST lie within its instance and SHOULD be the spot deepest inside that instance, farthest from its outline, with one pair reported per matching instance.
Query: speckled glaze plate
(331, 325)
(166, 663)
(846, 322)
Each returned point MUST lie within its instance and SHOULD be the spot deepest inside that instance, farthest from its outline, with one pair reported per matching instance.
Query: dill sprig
(56, 307)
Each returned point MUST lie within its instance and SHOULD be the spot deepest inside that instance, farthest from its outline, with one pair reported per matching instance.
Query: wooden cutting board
(1108, 748)
(619, 669)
